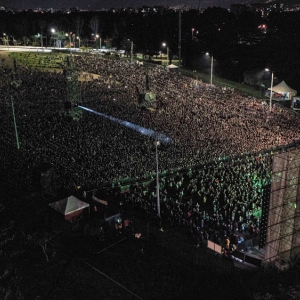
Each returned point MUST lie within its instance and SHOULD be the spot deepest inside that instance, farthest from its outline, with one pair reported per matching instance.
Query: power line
(98, 271)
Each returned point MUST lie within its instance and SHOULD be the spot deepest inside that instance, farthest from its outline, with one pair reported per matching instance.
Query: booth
(282, 92)
(172, 67)
(70, 207)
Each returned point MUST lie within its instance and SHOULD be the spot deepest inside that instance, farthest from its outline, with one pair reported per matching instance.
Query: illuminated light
(145, 131)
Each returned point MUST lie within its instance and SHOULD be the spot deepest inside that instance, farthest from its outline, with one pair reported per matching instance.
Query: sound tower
(283, 230)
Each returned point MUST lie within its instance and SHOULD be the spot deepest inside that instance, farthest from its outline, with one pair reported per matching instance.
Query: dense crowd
(218, 200)
(209, 127)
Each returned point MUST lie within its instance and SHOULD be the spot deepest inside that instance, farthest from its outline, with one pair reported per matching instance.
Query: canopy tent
(70, 207)
(171, 66)
(283, 91)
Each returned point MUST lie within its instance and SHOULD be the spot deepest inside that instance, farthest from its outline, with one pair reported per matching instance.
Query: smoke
(142, 130)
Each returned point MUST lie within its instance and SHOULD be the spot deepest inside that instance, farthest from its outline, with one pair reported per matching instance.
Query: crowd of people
(215, 201)
(217, 169)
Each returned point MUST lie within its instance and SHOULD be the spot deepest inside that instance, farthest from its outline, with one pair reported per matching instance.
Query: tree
(79, 22)
(42, 26)
(5, 41)
(94, 24)
(59, 36)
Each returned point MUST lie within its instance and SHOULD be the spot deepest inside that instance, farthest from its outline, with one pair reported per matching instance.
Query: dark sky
(98, 4)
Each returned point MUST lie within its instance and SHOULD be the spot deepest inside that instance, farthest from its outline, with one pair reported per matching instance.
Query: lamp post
(131, 51)
(78, 38)
(69, 36)
(193, 29)
(98, 36)
(157, 143)
(5, 40)
(271, 91)
(53, 32)
(15, 123)
(165, 45)
(211, 70)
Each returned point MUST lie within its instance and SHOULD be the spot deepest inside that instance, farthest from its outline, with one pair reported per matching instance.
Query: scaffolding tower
(283, 229)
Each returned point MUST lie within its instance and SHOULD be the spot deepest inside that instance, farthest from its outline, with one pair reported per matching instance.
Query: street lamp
(98, 36)
(211, 68)
(15, 124)
(53, 32)
(165, 45)
(78, 38)
(5, 39)
(193, 29)
(131, 49)
(271, 91)
(157, 143)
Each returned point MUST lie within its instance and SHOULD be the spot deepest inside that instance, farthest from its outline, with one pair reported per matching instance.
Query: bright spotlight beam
(145, 131)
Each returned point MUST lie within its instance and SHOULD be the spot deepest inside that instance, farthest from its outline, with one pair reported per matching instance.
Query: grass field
(53, 62)
(45, 61)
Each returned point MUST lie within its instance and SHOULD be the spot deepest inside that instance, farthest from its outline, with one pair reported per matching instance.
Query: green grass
(39, 60)
(52, 61)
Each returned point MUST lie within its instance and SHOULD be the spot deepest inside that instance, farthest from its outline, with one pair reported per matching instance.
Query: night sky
(98, 4)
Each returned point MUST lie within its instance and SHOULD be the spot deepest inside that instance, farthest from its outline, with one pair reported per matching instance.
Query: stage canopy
(283, 91)
(70, 207)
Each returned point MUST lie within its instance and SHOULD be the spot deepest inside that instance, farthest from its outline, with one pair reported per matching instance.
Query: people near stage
(213, 174)
(227, 243)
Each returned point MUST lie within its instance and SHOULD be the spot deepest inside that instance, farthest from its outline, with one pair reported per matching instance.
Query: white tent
(171, 66)
(70, 207)
(283, 91)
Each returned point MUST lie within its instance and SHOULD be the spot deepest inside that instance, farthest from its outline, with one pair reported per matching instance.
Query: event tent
(70, 207)
(283, 91)
(171, 66)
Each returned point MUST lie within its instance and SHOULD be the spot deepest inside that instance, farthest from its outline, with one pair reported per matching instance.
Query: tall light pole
(193, 29)
(131, 51)
(78, 38)
(165, 45)
(6, 40)
(98, 36)
(53, 32)
(157, 143)
(271, 91)
(69, 36)
(15, 123)
(211, 70)
(179, 41)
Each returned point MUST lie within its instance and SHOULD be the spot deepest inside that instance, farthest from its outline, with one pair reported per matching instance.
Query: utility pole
(157, 178)
(179, 41)
(131, 51)
(15, 123)
(211, 70)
